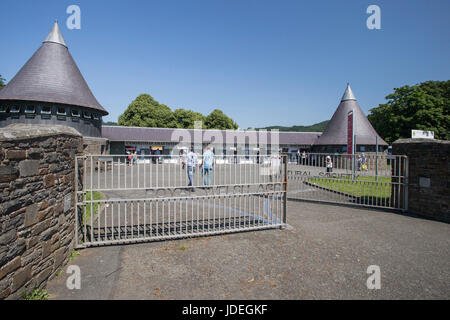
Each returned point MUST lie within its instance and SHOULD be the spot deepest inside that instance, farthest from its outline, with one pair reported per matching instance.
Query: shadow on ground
(323, 255)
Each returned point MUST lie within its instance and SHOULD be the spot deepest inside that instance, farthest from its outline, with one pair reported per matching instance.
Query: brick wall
(429, 180)
(36, 204)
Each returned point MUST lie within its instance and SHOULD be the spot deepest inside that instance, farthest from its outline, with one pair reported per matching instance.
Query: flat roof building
(225, 142)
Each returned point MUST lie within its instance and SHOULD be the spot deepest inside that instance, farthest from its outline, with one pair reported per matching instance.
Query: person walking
(128, 158)
(208, 162)
(359, 162)
(191, 162)
(329, 165)
(363, 162)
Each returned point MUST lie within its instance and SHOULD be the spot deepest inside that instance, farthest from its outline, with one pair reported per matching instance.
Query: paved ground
(324, 255)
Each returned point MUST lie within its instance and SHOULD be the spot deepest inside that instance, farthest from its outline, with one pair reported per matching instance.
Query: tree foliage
(424, 107)
(145, 111)
(186, 118)
(218, 120)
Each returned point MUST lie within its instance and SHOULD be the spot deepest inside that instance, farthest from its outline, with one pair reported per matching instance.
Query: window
(86, 115)
(15, 109)
(2, 109)
(75, 113)
(46, 110)
(30, 109)
(61, 111)
(95, 116)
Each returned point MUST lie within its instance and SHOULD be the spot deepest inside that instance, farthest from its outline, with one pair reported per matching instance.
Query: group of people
(190, 161)
(303, 159)
(362, 165)
(131, 157)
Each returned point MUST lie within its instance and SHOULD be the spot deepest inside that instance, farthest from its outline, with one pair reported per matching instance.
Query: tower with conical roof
(334, 138)
(50, 89)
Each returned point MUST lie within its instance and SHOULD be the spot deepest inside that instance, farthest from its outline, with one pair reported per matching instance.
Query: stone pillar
(429, 180)
(37, 216)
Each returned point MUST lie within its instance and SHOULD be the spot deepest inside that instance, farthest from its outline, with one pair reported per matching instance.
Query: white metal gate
(121, 200)
(373, 180)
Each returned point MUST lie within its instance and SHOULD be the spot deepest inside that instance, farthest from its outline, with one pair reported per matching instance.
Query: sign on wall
(422, 134)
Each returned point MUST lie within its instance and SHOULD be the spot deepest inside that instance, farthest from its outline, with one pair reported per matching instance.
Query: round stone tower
(49, 89)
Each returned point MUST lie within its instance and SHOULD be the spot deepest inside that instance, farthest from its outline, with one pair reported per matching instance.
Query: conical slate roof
(336, 131)
(51, 75)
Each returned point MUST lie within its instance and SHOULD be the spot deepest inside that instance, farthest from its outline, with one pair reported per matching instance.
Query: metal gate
(373, 180)
(122, 200)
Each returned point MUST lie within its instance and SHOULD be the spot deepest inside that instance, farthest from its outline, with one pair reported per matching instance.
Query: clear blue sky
(262, 62)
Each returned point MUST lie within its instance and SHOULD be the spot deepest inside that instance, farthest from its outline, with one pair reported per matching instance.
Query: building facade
(167, 141)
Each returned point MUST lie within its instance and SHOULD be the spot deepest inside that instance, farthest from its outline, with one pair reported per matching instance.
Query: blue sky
(261, 62)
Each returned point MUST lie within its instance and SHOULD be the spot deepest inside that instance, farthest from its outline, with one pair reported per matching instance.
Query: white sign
(422, 134)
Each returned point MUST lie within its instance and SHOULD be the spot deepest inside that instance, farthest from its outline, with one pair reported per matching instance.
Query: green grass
(97, 196)
(36, 294)
(74, 254)
(360, 187)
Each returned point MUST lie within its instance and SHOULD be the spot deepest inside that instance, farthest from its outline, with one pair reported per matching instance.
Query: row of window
(47, 110)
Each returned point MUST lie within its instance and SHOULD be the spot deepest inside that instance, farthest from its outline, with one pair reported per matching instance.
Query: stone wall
(429, 180)
(95, 145)
(36, 204)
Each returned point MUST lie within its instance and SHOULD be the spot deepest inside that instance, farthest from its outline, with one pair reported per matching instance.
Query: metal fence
(121, 200)
(367, 180)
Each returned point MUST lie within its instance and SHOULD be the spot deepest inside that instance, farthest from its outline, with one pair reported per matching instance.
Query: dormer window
(75, 113)
(46, 110)
(2, 109)
(86, 115)
(15, 109)
(95, 116)
(30, 109)
(61, 111)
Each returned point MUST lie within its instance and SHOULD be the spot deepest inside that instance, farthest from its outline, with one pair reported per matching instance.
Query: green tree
(424, 107)
(2, 82)
(145, 111)
(185, 118)
(218, 120)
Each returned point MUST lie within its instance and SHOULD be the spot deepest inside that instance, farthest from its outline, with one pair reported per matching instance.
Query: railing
(105, 173)
(121, 201)
(371, 181)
